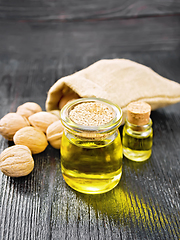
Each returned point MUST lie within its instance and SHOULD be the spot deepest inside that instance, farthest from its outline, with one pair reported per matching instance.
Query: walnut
(16, 161)
(31, 137)
(27, 109)
(54, 134)
(11, 123)
(42, 120)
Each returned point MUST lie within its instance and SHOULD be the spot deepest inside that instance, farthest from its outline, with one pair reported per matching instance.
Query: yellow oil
(90, 166)
(137, 146)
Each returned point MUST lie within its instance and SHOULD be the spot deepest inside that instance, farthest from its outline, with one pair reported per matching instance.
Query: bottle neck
(139, 128)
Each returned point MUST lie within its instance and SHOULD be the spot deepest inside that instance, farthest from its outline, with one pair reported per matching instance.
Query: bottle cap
(138, 113)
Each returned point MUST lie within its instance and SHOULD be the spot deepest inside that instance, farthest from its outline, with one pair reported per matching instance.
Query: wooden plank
(91, 39)
(82, 10)
(33, 55)
(145, 204)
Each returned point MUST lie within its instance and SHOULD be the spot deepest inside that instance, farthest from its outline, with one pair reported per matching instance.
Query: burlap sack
(118, 80)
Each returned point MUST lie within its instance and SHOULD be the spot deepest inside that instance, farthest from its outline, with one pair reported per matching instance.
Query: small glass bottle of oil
(137, 133)
(91, 149)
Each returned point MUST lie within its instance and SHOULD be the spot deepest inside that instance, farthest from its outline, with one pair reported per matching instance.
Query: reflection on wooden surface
(41, 41)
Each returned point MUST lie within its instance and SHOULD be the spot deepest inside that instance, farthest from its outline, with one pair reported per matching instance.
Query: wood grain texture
(42, 41)
(82, 10)
(145, 204)
(104, 39)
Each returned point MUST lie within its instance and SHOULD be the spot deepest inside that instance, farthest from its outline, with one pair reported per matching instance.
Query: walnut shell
(67, 98)
(31, 137)
(42, 120)
(16, 161)
(11, 123)
(29, 108)
(56, 113)
(54, 134)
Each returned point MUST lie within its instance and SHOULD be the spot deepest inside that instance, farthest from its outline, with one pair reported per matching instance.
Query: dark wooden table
(42, 41)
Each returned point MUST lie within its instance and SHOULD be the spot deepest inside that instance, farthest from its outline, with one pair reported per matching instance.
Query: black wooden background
(43, 40)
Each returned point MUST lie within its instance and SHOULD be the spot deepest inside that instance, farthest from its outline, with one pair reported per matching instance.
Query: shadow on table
(40, 181)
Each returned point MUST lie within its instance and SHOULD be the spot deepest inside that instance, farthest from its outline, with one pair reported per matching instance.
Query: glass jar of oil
(137, 136)
(91, 149)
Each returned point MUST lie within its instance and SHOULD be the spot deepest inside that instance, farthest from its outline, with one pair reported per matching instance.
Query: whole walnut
(31, 137)
(56, 113)
(27, 109)
(54, 134)
(42, 120)
(16, 161)
(11, 123)
(67, 98)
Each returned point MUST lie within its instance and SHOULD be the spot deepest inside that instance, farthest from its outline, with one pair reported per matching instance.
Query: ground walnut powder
(91, 114)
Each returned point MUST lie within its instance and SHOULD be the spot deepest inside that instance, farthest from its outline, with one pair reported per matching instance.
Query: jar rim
(105, 128)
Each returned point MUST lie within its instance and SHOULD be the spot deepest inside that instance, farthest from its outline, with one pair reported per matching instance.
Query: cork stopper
(138, 113)
(91, 114)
